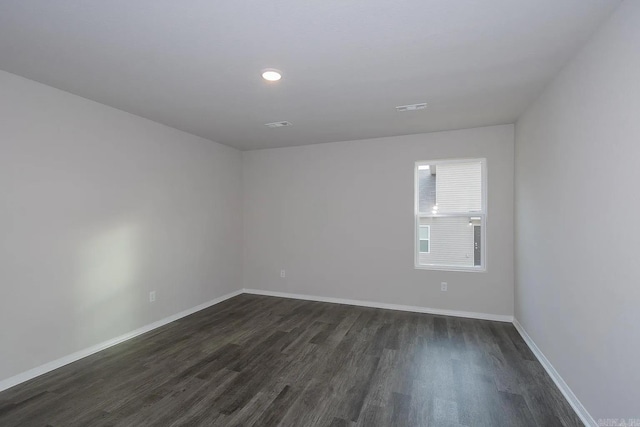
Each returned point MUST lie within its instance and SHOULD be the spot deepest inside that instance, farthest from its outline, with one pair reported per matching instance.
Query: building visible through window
(450, 214)
(423, 235)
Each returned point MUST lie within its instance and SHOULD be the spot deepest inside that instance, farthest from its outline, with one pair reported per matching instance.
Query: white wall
(578, 220)
(339, 218)
(97, 208)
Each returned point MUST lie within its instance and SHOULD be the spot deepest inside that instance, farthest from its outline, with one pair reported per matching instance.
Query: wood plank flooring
(265, 361)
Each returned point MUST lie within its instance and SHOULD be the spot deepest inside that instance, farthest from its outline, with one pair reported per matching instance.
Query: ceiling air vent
(277, 125)
(412, 107)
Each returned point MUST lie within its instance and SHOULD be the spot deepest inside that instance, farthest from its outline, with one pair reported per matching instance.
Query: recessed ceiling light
(411, 107)
(271, 75)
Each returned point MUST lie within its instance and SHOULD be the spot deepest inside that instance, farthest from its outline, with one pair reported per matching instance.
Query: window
(423, 235)
(450, 215)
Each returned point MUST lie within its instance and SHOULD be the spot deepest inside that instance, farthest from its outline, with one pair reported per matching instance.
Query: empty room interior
(320, 213)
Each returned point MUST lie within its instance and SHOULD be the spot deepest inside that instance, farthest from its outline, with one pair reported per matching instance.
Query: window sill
(451, 268)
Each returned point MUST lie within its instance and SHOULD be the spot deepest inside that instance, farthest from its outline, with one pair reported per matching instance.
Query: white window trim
(417, 215)
(428, 227)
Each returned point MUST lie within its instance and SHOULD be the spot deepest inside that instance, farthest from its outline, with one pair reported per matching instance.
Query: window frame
(482, 214)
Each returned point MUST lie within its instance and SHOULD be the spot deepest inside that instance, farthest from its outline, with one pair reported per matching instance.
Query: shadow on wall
(107, 269)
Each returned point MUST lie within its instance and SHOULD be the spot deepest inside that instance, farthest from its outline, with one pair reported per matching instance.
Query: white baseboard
(48, 367)
(582, 412)
(415, 309)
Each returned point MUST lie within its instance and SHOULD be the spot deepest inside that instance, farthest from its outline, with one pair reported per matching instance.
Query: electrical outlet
(283, 273)
(152, 296)
(443, 286)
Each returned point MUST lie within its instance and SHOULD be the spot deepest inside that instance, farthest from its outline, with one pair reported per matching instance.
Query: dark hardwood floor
(264, 361)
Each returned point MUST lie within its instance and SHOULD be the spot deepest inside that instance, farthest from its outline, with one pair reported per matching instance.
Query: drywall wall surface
(577, 206)
(98, 208)
(339, 219)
